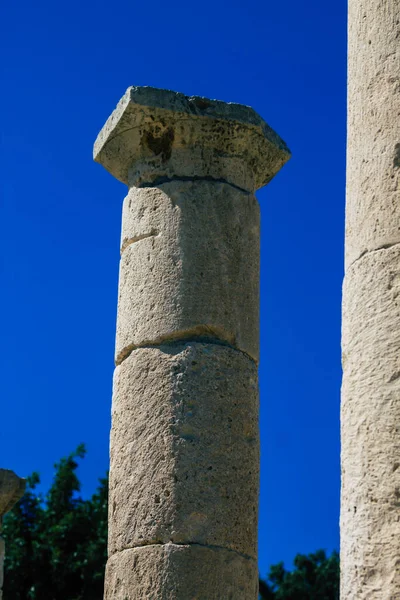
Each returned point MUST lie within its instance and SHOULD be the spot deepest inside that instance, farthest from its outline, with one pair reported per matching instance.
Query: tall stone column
(370, 505)
(12, 488)
(184, 442)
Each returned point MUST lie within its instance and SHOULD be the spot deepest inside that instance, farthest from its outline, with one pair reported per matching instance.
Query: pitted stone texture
(189, 266)
(373, 150)
(173, 572)
(185, 448)
(156, 133)
(370, 513)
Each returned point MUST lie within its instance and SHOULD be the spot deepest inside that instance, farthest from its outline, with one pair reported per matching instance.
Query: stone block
(189, 266)
(12, 488)
(184, 463)
(173, 572)
(370, 420)
(155, 133)
(373, 149)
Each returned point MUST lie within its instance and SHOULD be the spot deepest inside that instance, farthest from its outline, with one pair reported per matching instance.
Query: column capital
(155, 135)
(12, 489)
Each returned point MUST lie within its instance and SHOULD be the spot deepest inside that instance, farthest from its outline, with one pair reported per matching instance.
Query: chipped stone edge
(194, 106)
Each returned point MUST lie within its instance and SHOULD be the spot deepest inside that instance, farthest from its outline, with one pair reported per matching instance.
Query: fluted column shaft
(370, 414)
(184, 451)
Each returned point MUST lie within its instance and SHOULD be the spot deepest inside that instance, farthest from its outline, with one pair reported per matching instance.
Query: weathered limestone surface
(373, 149)
(155, 134)
(185, 448)
(184, 442)
(370, 420)
(189, 266)
(370, 518)
(171, 572)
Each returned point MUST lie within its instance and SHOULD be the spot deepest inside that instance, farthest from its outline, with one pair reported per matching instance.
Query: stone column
(370, 505)
(12, 488)
(184, 442)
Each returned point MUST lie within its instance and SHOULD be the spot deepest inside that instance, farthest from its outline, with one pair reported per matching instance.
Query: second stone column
(184, 443)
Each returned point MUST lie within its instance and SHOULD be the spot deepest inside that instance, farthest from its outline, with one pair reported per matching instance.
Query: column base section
(186, 572)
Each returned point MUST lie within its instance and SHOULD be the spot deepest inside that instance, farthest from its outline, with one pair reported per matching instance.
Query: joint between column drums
(382, 247)
(185, 544)
(171, 340)
(164, 179)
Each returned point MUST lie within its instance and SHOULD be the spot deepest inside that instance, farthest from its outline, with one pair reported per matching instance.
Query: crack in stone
(138, 238)
(396, 160)
(383, 247)
(195, 544)
(395, 377)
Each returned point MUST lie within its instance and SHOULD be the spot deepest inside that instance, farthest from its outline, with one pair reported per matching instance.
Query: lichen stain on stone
(160, 144)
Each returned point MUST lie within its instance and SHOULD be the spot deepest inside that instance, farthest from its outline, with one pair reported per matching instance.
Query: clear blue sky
(64, 67)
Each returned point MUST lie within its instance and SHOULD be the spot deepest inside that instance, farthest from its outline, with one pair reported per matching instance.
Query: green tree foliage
(314, 577)
(56, 546)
